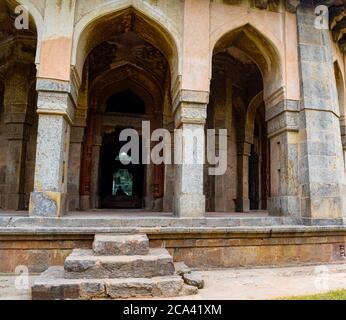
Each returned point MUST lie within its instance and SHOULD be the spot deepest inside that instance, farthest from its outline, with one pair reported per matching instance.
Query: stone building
(86, 69)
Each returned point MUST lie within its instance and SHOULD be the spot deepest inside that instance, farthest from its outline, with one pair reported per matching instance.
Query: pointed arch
(95, 26)
(36, 21)
(261, 48)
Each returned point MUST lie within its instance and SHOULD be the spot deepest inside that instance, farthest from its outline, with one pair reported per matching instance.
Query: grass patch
(333, 295)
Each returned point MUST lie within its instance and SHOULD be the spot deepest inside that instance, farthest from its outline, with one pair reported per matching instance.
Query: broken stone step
(83, 264)
(121, 244)
(52, 285)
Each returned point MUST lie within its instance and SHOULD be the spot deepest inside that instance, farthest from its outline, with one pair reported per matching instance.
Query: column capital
(190, 97)
(244, 148)
(55, 100)
(190, 107)
(283, 116)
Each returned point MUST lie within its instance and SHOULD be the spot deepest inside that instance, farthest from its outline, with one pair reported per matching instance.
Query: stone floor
(239, 284)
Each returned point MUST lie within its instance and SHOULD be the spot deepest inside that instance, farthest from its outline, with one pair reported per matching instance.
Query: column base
(14, 201)
(47, 204)
(323, 208)
(84, 203)
(190, 206)
(287, 206)
(242, 205)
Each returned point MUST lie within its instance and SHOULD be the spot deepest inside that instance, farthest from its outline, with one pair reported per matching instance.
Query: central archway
(126, 81)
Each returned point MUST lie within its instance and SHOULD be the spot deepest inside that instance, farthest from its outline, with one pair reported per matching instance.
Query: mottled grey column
(75, 155)
(322, 176)
(283, 132)
(55, 109)
(95, 173)
(190, 114)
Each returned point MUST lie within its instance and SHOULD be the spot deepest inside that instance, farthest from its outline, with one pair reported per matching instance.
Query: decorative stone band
(56, 103)
(190, 107)
(50, 85)
(284, 116)
(191, 113)
(189, 96)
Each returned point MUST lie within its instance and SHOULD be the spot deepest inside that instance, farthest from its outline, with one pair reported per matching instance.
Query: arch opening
(245, 69)
(120, 23)
(126, 82)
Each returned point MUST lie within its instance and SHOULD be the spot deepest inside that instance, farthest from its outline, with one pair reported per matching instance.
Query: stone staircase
(118, 267)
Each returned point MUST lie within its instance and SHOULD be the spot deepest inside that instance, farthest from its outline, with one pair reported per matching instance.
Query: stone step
(83, 264)
(52, 285)
(120, 244)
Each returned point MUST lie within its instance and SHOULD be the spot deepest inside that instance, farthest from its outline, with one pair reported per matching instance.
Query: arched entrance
(126, 85)
(18, 118)
(243, 71)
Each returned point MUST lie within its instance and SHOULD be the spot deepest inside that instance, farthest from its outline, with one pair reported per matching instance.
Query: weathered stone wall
(213, 250)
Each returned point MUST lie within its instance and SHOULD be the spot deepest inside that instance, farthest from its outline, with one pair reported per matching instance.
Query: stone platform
(121, 272)
(216, 241)
(94, 222)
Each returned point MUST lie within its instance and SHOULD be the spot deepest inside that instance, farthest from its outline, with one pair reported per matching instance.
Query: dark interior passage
(121, 185)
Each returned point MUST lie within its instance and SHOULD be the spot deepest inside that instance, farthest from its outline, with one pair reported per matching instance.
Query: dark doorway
(121, 186)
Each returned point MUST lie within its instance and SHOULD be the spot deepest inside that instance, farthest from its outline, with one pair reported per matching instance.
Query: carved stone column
(283, 124)
(242, 201)
(75, 157)
(190, 114)
(17, 122)
(56, 111)
(95, 172)
(17, 136)
(322, 175)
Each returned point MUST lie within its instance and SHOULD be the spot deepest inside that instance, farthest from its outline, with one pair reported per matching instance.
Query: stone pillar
(56, 110)
(95, 173)
(321, 159)
(17, 136)
(74, 169)
(190, 111)
(283, 124)
(17, 123)
(242, 201)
